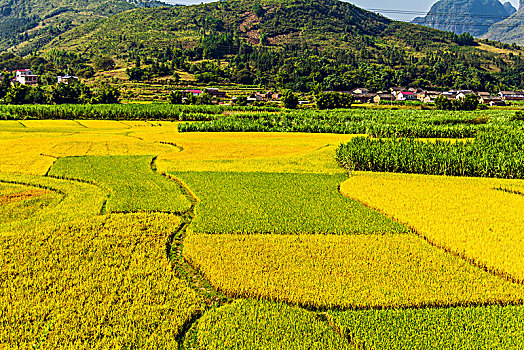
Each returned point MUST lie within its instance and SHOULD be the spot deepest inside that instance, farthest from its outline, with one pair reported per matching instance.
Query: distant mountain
(509, 8)
(26, 25)
(510, 30)
(459, 16)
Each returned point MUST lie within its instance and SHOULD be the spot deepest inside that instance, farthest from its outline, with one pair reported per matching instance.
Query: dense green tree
(331, 100)
(289, 99)
(175, 97)
(107, 94)
(443, 103)
(104, 63)
(5, 84)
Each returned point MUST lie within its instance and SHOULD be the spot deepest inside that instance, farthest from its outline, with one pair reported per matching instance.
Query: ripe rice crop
(77, 201)
(327, 271)
(279, 203)
(467, 216)
(251, 324)
(23, 202)
(133, 185)
(469, 328)
(489, 155)
(33, 150)
(315, 161)
(98, 283)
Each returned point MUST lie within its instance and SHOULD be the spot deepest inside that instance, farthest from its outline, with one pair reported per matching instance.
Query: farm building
(383, 96)
(66, 79)
(26, 77)
(406, 96)
(512, 95)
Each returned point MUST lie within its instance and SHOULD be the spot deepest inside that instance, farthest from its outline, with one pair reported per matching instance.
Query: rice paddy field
(130, 234)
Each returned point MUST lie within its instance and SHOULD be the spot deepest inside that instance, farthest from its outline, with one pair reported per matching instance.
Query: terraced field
(132, 235)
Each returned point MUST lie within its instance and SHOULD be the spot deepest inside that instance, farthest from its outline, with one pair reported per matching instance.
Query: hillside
(303, 45)
(26, 25)
(510, 30)
(472, 16)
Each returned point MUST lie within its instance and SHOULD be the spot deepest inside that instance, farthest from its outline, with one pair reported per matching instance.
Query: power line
(440, 16)
(449, 14)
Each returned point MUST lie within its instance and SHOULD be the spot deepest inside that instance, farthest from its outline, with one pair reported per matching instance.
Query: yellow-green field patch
(468, 216)
(326, 271)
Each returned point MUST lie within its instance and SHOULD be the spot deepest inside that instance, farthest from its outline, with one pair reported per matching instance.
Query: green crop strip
(376, 123)
(253, 203)
(133, 185)
(468, 328)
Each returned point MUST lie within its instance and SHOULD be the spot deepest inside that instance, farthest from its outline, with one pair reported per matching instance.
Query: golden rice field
(99, 251)
(353, 271)
(471, 217)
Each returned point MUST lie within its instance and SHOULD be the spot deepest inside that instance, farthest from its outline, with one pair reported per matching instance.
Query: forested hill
(26, 25)
(304, 45)
(321, 24)
(472, 16)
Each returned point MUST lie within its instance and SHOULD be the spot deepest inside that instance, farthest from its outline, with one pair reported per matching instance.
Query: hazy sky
(412, 8)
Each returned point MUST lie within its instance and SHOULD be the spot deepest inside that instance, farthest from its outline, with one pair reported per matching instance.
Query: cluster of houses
(413, 94)
(26, 77)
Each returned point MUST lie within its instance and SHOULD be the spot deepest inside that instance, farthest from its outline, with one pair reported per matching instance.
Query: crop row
(100, 283)
(467, 328)
(340, 272)
(78, 201)
(252, 324)
(120, 112)
(499, 154)
(425, 124)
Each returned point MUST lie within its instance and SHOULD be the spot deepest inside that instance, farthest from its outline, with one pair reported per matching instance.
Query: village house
(360, 91)
(431, 96)
(186, 93)
(512, 95)
(395, 90)
(482, 94)
(26, 77)
(428, 96)
(406, 96)
(492, 100)
(66, 79)
(264, 96)
(462, 93)
(364, 98)
(214, 92)
(450, 95)
(383, 96)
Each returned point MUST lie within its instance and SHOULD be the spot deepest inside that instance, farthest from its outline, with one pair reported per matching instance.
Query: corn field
(498, 154)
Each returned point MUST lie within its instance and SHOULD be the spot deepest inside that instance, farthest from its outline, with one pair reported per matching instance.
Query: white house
(26, 77)
(66, 79)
